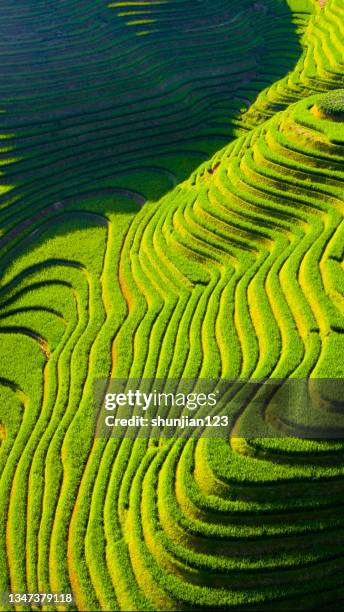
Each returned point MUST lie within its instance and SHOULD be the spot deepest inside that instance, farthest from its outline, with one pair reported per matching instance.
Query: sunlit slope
(236, 272)
(320, 66)
(251, 248)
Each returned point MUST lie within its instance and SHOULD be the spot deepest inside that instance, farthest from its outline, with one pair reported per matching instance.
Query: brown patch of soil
(214, 168)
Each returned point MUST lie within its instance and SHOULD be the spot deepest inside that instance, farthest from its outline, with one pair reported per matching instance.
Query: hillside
(188, 227)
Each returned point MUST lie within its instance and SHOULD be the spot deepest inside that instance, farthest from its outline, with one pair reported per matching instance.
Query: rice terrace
(171, 203)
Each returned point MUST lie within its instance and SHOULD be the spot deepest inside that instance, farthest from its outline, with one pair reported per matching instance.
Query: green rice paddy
(171, 205)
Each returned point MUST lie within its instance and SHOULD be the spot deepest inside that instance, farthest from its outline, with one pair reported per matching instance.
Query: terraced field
(171, 207)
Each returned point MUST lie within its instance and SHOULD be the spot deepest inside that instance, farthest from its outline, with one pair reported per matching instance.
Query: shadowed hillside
(90, 105)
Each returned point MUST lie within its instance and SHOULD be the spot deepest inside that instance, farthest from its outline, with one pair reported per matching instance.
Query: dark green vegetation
(236, 271)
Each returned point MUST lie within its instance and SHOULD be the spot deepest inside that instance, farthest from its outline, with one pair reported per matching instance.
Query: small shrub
(332, 104)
